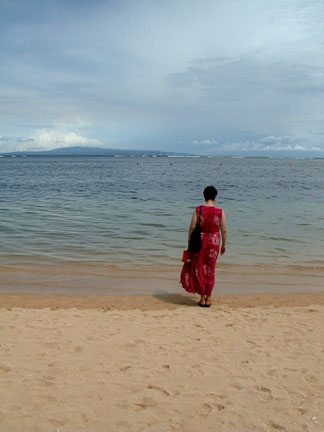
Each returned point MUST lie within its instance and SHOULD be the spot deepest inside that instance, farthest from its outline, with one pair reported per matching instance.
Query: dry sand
(100, 363)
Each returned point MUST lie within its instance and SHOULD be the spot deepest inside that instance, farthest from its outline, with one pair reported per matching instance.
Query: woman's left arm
(223, 228)
(193, 224)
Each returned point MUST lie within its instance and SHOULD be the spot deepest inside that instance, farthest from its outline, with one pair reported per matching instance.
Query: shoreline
(156, 302)
(84, 279)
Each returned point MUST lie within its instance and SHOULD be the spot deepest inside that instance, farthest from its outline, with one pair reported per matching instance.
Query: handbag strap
(199, 216)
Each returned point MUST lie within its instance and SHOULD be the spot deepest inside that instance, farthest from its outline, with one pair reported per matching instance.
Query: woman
(198, 272)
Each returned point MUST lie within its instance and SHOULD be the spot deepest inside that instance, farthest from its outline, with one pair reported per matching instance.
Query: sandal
(202, 302)
(208, 303)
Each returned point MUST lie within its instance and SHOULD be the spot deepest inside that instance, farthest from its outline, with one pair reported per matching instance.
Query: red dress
(198, 272)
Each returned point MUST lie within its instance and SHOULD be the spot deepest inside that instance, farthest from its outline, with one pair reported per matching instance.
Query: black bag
(195, 238)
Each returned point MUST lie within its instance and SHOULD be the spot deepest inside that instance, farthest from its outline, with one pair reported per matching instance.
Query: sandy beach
(159, 363)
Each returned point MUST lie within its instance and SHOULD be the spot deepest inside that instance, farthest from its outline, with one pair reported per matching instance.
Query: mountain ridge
(91, 151)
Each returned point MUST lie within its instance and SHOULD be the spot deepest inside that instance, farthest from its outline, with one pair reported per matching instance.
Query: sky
(210, 77)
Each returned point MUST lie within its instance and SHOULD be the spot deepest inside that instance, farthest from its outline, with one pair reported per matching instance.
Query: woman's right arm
(193, 224)
(223, 228)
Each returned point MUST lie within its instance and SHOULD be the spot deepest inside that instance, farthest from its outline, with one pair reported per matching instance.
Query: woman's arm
(193, 224)
(224, 232)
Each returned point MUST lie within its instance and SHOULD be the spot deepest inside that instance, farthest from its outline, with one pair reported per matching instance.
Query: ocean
(135, 211)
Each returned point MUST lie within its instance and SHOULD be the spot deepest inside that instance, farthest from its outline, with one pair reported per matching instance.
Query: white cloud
(270, 144)
(204, 142)
(263, 145)
(44, 139)
(47, 140)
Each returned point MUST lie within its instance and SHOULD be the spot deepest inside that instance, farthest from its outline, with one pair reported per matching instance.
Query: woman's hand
(223, 249)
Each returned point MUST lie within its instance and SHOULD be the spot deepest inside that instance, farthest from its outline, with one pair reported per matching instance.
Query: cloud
(161, 74)
(222, 79)
(204, 142)
(258, 146)
(270, 144)
(44, 139)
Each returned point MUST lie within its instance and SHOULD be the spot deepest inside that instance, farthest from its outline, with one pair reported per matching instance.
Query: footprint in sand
(265, 393)
(147, 402)
(216, 396)
(123, 425)
(207, 409)
(141, 405)
(48, 398)
(273, 372)
(310, 379)
(166, 366)
(159, 389)
(4, 368)
(196, 366)
(48, 380)
(277, 426)
(85, 418)
(56, 422)
(124, 368)
(140, 341)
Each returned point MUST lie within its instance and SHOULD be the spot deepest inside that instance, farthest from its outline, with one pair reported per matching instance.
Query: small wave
(278, 239)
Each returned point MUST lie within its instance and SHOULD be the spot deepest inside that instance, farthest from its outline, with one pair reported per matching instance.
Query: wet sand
(155, 302)
(101, 279)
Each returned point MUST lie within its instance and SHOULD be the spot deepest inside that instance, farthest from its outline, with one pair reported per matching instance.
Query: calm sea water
(136, 211)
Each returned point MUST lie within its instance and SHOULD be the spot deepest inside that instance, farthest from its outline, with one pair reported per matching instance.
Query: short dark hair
(210, 193)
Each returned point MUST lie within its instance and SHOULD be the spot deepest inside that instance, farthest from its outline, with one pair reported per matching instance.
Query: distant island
(92, 151)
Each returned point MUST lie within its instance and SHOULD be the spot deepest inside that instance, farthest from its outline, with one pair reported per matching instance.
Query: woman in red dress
(198, 272)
